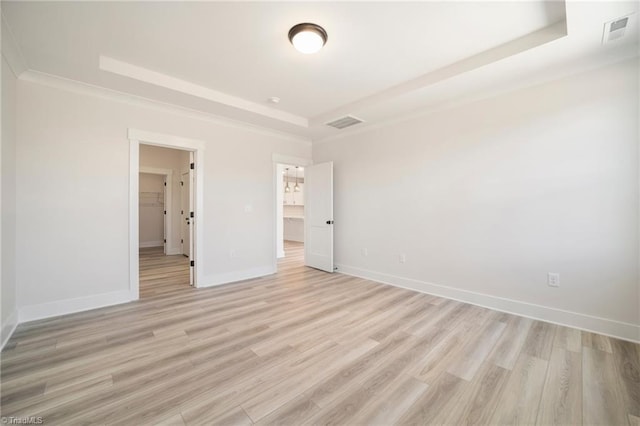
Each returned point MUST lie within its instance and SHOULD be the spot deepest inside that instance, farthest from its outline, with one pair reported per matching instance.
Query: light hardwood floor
(160, 274)
(306, 347)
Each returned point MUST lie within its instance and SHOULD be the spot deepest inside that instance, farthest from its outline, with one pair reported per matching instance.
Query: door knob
(329, 222)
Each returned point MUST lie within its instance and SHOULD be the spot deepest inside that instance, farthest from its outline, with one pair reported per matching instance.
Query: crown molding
(10, 50)
(576, 68)
(86, 89)
(172, 83)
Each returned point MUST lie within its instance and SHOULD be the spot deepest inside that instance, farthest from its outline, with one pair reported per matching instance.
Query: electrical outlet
(365, 252)
(248, 208)
(553, 279)
(402, 258)
(232, 254)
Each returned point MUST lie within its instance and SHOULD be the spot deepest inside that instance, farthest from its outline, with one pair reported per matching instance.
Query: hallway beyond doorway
(294, 256)
(162, 275)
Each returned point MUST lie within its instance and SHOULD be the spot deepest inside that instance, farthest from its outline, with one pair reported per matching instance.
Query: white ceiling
(382, 60)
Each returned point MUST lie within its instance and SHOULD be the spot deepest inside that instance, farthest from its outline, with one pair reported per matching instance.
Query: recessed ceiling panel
(242, 49)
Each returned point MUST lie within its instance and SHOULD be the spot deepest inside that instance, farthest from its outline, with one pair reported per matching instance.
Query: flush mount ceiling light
(307, 38)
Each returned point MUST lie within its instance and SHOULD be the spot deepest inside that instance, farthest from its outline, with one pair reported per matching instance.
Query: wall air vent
(615, 30)
(344, 122)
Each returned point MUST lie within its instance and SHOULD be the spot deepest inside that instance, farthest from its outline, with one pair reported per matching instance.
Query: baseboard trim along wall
(617, 329)
(70, 306)
(80, 304)
(8, 328)
(170, 251)
(232, 277)
(594, 324)
(151, 244)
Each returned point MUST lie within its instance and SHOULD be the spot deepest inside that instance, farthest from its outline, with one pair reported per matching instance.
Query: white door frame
(277, 195)
(168, 178)
(136, 138)
(184, 212)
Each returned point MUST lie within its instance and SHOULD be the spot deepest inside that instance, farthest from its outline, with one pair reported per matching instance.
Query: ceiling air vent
(615, 29)
(344, 122)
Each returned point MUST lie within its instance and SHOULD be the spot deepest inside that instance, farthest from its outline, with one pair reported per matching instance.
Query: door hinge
(192, 166)
(181, 241)
(165, 184)
(165, 212)
(191, 214)
(193, 263)
(165, 240)
(181, 211)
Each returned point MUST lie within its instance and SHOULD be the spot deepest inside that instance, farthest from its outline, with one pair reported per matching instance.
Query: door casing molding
(140, 137)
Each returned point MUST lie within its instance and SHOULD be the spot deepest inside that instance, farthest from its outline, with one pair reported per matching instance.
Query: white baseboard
(8, 327)
(609, 327)
(70, 306)
(295, 239)
(148, 244)
(174, 251)
(281, 254)
(231, 277)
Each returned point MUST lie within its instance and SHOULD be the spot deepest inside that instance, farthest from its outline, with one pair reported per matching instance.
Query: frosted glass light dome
(307, 38)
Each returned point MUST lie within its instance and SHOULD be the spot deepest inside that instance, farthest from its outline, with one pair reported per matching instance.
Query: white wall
(9, 317)
(72, 181)
(151, 210)
(177, 161)
(486, 199)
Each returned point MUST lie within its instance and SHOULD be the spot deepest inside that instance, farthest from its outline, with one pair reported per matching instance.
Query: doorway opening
(309, 240)
(164, 229)
(164, 251)
(290, 217)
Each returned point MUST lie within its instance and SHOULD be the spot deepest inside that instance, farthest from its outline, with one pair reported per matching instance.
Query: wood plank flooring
(160, 274)
(306, 347)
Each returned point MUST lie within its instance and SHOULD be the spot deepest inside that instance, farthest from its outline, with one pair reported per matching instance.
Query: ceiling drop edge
(82, 88)
(470, 100)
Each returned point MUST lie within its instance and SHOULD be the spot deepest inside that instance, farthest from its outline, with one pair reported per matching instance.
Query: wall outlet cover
(553, 279)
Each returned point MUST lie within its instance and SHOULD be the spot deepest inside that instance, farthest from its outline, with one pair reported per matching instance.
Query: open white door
(187, 208)
(185, 235)
(318, 216)
(192, 209)
(165, 203)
